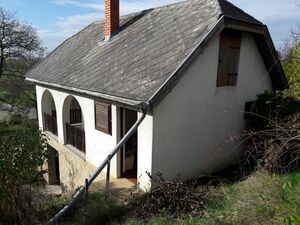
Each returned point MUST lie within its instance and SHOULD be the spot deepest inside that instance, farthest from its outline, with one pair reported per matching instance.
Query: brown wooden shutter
(103, 117)
(229, 55)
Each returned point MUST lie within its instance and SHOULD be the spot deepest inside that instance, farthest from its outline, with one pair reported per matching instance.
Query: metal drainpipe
(84, 188)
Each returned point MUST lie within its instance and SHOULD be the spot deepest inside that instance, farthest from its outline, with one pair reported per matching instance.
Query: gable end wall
(194, 122)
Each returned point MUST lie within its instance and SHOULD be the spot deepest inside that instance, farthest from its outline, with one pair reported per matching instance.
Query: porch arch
(49, 112)
(73, 123)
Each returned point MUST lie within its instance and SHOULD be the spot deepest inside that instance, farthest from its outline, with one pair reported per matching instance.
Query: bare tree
(20, 48)
(18, 43)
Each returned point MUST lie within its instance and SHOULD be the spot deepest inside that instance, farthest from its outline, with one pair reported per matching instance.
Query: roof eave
(119, 101)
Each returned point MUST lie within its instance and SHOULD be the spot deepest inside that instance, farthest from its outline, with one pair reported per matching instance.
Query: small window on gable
(229, 55)
(103, 117)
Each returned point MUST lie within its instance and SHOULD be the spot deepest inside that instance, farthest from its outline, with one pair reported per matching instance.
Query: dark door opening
(129, 150)
(53, 166)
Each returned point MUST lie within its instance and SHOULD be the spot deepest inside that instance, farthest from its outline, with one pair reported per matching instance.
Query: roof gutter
(110, 98)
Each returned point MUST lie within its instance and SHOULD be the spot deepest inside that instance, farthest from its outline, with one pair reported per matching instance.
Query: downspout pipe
(100, 168)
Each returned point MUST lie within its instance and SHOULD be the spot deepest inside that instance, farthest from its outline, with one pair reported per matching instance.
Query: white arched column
(48, 113)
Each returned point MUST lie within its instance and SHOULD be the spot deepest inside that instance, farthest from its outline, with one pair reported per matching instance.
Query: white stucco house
(192, 67)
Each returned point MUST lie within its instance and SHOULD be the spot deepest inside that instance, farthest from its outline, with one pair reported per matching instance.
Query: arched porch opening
(73, 124)
(49, 113)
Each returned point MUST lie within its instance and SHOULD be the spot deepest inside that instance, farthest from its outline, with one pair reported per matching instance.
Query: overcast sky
(56, 20)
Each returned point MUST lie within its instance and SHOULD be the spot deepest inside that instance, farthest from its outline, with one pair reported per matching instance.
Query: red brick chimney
(112, 15)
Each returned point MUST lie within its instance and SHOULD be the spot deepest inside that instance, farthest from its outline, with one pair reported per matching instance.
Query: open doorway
(129, 150)
(53, 166)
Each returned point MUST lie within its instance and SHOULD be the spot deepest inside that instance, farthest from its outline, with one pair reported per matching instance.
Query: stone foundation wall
(73, 167)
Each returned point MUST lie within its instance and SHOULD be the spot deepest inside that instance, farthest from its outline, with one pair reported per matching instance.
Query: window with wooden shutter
(103, 117)
(229, 56)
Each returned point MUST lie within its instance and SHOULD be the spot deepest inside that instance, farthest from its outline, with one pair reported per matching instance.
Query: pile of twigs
(173, 198)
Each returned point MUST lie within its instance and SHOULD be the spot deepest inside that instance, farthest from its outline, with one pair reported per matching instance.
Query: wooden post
(107, 182)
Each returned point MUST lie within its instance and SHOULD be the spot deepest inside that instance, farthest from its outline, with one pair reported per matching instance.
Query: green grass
(93, 211)
(261, 199)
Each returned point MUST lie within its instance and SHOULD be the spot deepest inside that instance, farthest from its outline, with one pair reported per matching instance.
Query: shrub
(22, 151)
(291, 65)
(274, 134)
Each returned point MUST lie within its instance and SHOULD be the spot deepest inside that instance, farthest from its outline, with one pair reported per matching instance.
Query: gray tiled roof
(138, 60)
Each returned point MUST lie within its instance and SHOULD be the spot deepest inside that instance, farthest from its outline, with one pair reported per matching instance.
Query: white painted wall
(145, 143)
(193, 124)
(98, 144)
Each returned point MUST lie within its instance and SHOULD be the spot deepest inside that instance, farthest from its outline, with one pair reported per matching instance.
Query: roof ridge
(187, 1)
(236, 8)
